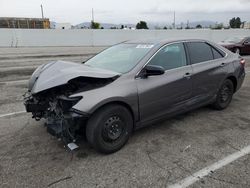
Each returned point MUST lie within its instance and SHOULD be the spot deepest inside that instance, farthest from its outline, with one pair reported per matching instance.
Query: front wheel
(109, 128)
(224, 95)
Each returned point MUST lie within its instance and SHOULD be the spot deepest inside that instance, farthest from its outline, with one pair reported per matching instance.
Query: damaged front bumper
(62, 121)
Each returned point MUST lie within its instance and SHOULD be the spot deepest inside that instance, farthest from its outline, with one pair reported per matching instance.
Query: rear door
(165, 94)
(209, 69)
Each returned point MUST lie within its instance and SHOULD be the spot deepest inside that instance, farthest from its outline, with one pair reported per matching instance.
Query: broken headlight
(66, 103)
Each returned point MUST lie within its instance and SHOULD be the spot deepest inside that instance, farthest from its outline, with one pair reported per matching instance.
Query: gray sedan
(129, 86)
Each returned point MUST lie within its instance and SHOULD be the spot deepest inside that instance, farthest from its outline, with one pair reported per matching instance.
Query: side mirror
(153, 70)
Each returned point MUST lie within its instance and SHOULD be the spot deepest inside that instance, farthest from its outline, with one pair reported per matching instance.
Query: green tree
(141, 25)
(232, 23)
(198, 26)
(235, 22)
(238, 22)
(165, 27)
(94, 25)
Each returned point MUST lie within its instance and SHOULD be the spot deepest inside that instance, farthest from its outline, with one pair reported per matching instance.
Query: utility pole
(42, 11)
(187, 24)
(174, 21)
(93, 15)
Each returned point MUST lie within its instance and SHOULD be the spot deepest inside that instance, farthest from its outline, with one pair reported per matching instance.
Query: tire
(237, 51)
(224, 95)
(109, 129)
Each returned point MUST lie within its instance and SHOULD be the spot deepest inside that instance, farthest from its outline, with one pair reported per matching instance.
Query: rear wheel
(224, 95)
(109, 128)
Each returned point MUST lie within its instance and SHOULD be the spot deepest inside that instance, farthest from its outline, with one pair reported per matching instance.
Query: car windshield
(234, 39)
(120, 58)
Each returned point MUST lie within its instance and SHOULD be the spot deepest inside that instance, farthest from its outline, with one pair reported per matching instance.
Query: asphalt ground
(161, 155)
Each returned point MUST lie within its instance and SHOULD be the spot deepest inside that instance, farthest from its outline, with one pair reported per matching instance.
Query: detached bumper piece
(65, 127)
(61, 129)
(55, 128)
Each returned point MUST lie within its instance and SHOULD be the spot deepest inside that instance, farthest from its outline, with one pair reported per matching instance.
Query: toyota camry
(129, 86)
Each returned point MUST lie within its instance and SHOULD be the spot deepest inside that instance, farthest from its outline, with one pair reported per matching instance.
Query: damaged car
(129, 86)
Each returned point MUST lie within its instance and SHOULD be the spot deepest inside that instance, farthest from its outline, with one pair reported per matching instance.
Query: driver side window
(170, 57)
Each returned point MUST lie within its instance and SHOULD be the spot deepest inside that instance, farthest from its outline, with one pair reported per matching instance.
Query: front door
(165, 94)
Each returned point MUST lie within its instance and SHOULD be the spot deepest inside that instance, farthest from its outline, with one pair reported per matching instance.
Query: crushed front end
(62, 120)
(50, 91)
(55, 105)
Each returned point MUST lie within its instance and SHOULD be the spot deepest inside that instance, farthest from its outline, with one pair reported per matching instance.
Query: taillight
(243, 62)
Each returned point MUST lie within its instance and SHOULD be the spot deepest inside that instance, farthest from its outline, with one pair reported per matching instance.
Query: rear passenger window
(216, 54)
(199, 52)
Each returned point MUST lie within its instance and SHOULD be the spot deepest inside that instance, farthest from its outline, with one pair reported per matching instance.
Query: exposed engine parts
(55, 106)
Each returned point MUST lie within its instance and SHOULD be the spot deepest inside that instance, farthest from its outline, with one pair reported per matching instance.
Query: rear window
(216, 53)
(199, 52)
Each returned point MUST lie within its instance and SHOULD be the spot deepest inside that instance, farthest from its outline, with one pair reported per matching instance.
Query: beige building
(246, 25)
(24, 23)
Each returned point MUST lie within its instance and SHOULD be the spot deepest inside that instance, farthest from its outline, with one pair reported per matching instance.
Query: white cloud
(129, 11)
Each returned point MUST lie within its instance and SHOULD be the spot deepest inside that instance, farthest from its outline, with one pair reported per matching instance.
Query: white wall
(87, 37)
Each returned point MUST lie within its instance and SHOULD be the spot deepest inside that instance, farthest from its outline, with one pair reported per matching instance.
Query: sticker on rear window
(144, 46)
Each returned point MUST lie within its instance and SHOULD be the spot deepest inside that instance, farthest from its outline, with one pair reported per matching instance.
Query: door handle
(187, 75)
(222, 64)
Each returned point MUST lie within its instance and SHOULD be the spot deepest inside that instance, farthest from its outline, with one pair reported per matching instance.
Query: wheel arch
(234, 80)
(117, 102)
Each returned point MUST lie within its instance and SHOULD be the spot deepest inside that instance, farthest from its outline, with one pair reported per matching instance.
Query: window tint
(199, 52)
(170, 57)
(216, 54)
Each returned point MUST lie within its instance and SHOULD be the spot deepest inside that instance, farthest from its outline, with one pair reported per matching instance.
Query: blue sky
(128, 11)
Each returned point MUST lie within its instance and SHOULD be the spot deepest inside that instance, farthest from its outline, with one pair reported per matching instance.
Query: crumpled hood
(60, 72)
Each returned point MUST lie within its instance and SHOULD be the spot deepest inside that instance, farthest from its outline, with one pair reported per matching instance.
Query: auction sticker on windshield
(144, 46)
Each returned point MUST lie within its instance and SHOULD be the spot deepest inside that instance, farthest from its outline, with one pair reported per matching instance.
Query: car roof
(158, 41)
